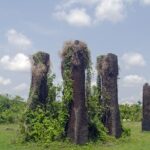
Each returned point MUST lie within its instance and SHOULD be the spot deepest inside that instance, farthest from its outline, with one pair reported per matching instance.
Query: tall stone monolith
(146, 108)
(107, 67)
(39, 89)
(76, 54)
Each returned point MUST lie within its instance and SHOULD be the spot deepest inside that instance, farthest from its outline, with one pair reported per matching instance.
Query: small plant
(126, 132)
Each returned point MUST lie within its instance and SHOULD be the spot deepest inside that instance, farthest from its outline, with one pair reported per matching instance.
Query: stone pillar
(77, 126)
(39, 88)
(107, 67)
(146, 108)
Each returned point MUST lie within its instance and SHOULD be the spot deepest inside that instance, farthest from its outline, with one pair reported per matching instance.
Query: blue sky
(121, 27)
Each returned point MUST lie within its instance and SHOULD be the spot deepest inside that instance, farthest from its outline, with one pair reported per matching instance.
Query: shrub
(45, 125)
(131, 112)
(97, 131)
(11, 109)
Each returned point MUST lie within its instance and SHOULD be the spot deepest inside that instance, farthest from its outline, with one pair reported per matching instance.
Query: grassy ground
(137, 141)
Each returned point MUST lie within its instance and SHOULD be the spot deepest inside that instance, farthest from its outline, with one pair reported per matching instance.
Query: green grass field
(137, 141)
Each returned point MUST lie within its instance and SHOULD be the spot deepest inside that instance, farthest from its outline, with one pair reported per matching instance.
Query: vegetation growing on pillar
(51, 122)
(72, 54)
(44, 125)
(96, 128)
(66, 100)
(41, 121)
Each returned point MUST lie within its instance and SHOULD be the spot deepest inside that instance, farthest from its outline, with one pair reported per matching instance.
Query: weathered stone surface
(39, 88)
(146, 108)
(107, 67)
(77, 128)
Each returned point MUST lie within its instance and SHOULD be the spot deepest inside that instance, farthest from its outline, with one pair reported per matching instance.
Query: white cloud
(102, 10)
(4, 81)
(76, 17)
(18, 63)
(88, 2)
(21, 87)
(133, 80)
(146, 2)
(69, 3)
(133, 60)
(18, 39)
(79, 12)
(110, 10)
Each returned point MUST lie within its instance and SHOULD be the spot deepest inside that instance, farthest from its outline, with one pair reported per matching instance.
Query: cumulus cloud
(146, 2)
(18, 39)
(76, 17)
(71, 12)
(110, 10)
(4, 81)
(78, 12)
(133, 60)
(21, 87)
(133, 80)
(20, 62)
